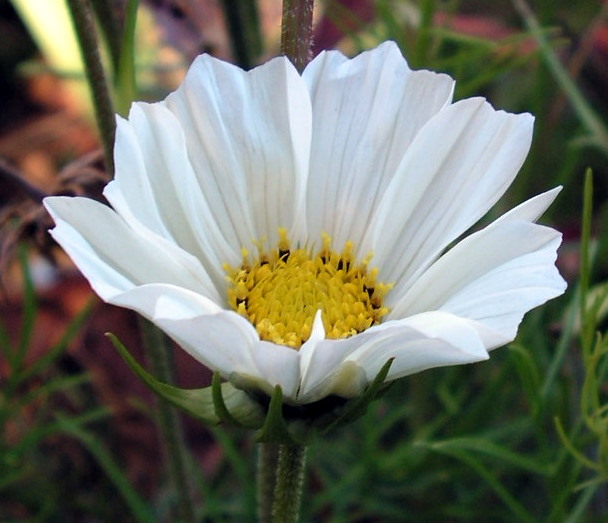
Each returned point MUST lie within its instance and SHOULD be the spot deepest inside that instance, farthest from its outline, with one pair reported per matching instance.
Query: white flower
(357, 164)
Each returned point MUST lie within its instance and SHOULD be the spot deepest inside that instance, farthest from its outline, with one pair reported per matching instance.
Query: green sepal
(275, 428)
(299, 425)
(357, 407)
(221, 402)
(277, 422)
(217, 395)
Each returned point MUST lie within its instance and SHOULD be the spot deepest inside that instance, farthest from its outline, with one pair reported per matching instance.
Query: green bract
(275, 421)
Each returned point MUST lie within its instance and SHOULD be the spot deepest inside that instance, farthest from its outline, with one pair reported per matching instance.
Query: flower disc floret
(281, 292)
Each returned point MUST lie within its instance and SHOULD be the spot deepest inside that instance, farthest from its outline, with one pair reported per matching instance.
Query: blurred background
(522, 437)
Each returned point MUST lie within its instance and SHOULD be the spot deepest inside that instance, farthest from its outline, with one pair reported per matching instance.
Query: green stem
(84, 26)
(158, 354)
(125, 79)
(588, 320)
(107, 15)
(243, 22)
(268, 454)
(289, 482)
(296, 31)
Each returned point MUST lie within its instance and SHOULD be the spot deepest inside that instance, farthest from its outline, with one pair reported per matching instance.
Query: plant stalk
(86, 33)
(158, 354)
(289, 481)
(296, 32)
(268, 454)
(243, 22)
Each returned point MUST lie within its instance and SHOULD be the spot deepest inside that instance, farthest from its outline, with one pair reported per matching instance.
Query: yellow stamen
(281, 291)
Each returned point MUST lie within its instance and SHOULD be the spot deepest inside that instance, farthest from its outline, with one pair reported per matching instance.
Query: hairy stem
(268, 454)
(296, 32)
(289, 482)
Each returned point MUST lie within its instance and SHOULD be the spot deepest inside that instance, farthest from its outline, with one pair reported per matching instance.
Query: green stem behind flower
(296, 32)
(110, 25)
(289, 481)
(159, 357)
(84, 26)
(243, 22)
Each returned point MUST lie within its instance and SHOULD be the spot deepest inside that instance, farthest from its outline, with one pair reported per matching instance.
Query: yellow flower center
(282, 290)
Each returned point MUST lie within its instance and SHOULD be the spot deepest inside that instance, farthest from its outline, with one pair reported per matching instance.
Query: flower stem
(289, 481)
(296, 31)
(268, 454)
(159, 357)
(84, 25)
(243, 22)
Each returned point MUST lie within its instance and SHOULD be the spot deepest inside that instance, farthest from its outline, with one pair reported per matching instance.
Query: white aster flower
(292, 230)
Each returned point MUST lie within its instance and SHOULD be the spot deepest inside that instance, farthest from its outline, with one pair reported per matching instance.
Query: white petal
(154, 300)
(248, 138)
(329, 372)
(224, 343)
(424, 341)
(221, 340)
(307, 350)
(532, 209)
(323, 370)
(156, 186)
(420, 342)
(366, 112)
(458, 166)
(493, 277)
(277, 365)
(113, 257)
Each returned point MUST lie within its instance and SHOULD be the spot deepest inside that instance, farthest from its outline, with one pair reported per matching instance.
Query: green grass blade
(482, 445)
(59, 348)
(29, 313)
(138, 507)
(592, 122)
(516, 508)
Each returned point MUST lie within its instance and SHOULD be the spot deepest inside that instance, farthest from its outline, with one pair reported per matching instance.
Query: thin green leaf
(493, 482)
(48, 388)
(59, 348)
(588, 321)
(218, 401)
(41, 432)
(29, 312)
(275, 429)
(5, 343)
(571, 448)
(484, 446)
(578, 511)
(589, 118)
(138, 507)
(198, 403)
(528, 373)
(358, 406)
(11, 475)
(422, 45)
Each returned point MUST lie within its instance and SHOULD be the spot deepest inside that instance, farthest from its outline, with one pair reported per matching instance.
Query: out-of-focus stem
(243, 22)
(84, 27)
(106, 14)
(158, 354)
